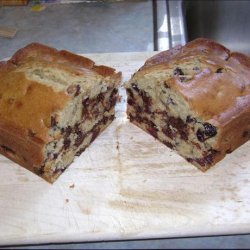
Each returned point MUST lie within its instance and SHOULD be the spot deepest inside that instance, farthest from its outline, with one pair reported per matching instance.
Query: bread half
(53, 104)
(195, 99)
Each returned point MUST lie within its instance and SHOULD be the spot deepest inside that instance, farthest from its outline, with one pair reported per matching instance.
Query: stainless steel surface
(177, 23)
(227, 22)
(170, 24)
(162, 25)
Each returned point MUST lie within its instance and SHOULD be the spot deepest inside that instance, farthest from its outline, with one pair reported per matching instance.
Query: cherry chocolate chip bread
(53, 104)
(195, 99)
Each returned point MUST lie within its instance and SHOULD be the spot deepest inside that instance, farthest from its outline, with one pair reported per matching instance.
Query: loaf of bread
(195, 99)
(53, 104)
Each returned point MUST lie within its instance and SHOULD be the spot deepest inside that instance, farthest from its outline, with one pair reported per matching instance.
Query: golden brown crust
(43, 52)
(20, 103)
(239, 58)
(51, 55)
(198, 46)
(20, 147)
(163, 57)
(218, 92)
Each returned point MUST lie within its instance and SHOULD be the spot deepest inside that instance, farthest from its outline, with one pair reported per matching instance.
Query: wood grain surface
(126, 185)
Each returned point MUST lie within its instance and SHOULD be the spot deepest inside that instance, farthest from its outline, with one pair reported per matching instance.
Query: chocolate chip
(59, 170)
(177, 123)
(112, 117)
(100, 97)
(196, 68)
(168, 132)
(67, 131)
(138, 109)
(151, 127)
(52, 121)
(66, 144)
(78, 153)
(147, 101)
(95, 134)
(210, 130)
(104, 119)
(163, 113)
(200, 135)
(135, 87)
(113, 98)
(206, 160)
(62, 169)
(190, 119)
(138, 118)
(55, 156)
(170, 101)
(184, 135)
(178, 71)
(152, 131)
(130, 92)
(114, 92)
(78, 88)
(79, 139)
(168, 144)
(183, 78)
(86, 102)
(39, 171)
(219, 70)
(130, 101)
(77, 128)
(74, 89)
(189, 160)
(145, 98)
(151, 124)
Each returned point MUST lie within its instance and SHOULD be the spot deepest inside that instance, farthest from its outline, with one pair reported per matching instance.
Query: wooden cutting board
(126, 185)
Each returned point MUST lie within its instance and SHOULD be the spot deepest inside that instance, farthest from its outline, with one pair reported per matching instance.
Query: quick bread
(53, 104)
(195, 99)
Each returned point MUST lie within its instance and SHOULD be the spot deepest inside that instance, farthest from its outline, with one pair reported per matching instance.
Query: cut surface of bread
(195, 99)
(53, 104)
